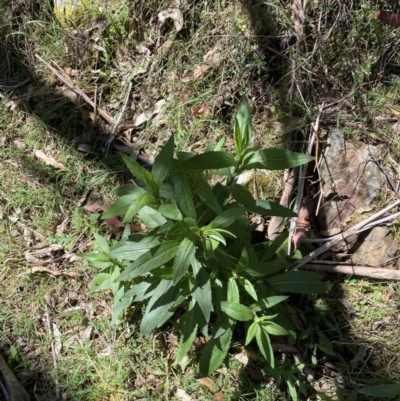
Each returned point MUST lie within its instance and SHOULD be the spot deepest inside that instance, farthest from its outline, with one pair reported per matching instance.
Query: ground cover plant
(180, 70)
(197, 257)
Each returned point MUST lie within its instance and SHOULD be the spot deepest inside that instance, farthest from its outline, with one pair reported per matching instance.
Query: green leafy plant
(196, 261)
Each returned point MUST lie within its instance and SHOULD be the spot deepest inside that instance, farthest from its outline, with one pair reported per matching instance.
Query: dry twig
(74, 87)
(356, 229)
(359, 270)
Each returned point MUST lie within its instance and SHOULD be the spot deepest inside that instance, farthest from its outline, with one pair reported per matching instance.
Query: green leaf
(269, 302)
(264, 343)
(209, 199)
(163, 161)
(201, 293)
(152, 259)
(273, 248)
(183, 194)
(233, 291)
(208, 161)
(381, 390)
(128, 189)
(237, 311)
(184, 228)
(136, 206)
(276, 159)
(221, 193)
(291, 388)
(121, 205)
(226, 218)
(266, 269)
(151, 217)
(299, 282)
(133, 247)
(183, 259)
(160, 307)
(265, 208)
(216, 349)
(243, 128)
(144, 289)
(102, 243)
(96, 259)
(101, 282)
(251, 332)
(121, 302)
(246, 284)
(170, 211)
(188, 328)
(142, 174)
(274, 329)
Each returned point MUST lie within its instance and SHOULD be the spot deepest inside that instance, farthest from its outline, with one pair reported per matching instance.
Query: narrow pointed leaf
(183, 259)
(160, 307)
(102, 243)
(139, 172)
(216, 349)
(233, 291)
(152, 218)
(136, 206)
(152, 259)
(266, 269)
(170, 211)
(188, 328)
(163, 161)
(264, 343)
(237, 311)
(208, 160)
(277, 159)
(226, 218)
(251, 332)
(300, 282)
(131, 250)
(246, 284)
(121, 205)
(381, 390)
(274, 329)
(202, 293)
(183, 194)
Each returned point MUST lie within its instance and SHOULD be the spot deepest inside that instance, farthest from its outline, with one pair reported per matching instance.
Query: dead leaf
(387, 18)
(203, 109)
(208, 382)
(242, 358)
(36, 269)
(210, 58)
(50, 160)
(183, 395)
(175, 13)
(219, 396)
(71, 72)
(149, 113)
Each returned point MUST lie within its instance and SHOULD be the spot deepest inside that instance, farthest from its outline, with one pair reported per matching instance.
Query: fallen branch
(356, 229)
(359, 270)
(74, 87)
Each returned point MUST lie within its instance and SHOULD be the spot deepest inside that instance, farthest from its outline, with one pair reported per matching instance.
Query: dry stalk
(359, 270)
(74, 87)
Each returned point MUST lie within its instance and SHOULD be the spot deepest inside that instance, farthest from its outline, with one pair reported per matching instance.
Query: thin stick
(342, 236)
(360, 270)
(392, 184)
(118, 120)
(74, 87)
(301, 180)
(53, 352)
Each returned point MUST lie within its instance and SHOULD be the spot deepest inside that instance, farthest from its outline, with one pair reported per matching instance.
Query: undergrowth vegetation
(185, 271)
